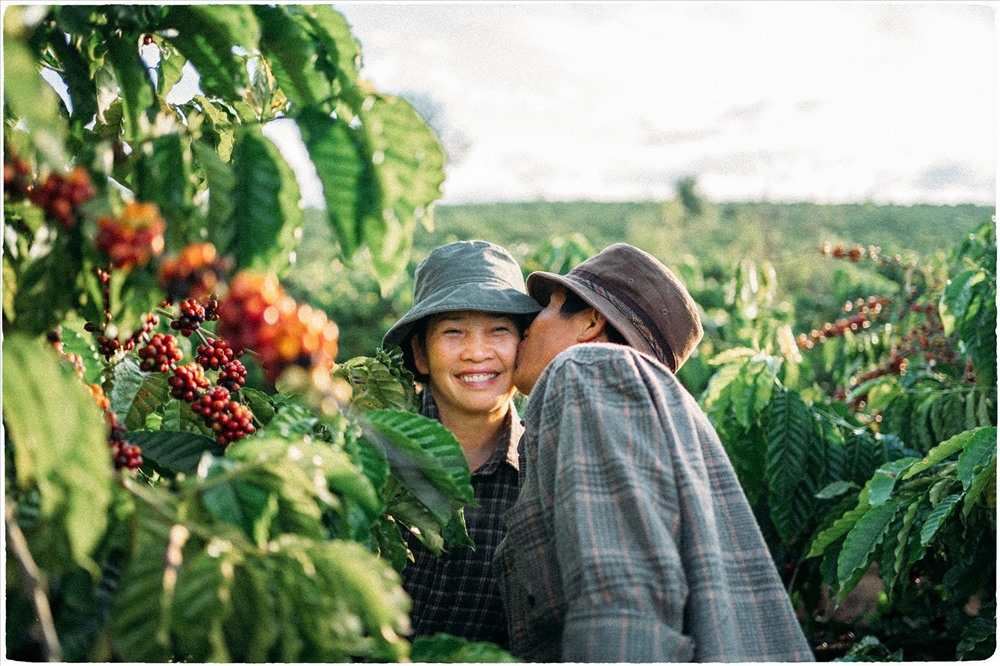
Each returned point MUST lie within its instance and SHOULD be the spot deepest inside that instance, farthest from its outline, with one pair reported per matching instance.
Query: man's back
(631, 538)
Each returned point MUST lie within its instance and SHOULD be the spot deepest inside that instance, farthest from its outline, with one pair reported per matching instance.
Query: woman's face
(469, 357)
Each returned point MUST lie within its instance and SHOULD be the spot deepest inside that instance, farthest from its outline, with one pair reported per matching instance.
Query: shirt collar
(506, 445)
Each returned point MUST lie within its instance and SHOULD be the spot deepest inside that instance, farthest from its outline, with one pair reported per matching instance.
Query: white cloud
(819, 101)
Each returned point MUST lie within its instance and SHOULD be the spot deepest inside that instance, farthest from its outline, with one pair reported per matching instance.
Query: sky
(827, 102)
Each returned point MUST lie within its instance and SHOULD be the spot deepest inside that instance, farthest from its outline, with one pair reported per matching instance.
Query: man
(631, 539)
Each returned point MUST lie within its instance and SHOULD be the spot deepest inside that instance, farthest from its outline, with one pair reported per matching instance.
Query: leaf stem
(34, 583)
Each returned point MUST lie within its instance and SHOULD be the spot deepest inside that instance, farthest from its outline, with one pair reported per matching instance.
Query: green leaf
(161, 176)
(841, 526)
(379, 382)
(290, 50)
(171, 68)
(411, 513)
(371, 590)
(986, 477)
(409, 170)
(425, 456)
(202, 604)
(947, 449)
(340, 170)
(140, 615)
(221, 181)
(134, 394)
(863, 539)
(79, 82)
(836, 489)
(67, 457)
(342, 475)
(134, 85)
(902, 537)
(883, 482)
(172, 452)
(448, 649)
(338, 50)
(266, 214)
(206, 36)
(77, 341)
(229, 499)
(790, 433)
(937, 516)
(977, 451)
(260, 404)
(27, 96)
(46, 287)
(178, 416)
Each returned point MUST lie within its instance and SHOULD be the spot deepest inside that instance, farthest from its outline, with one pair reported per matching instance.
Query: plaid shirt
(457, 592)
(631, 539)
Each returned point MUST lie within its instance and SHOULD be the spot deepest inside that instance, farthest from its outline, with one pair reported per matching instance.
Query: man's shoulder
(607, 354)
(591, 367)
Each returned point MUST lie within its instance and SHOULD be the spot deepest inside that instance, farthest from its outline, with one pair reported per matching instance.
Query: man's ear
(594, 323)
(419, 356)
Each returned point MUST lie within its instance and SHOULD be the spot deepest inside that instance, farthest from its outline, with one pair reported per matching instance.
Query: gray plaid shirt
(631, 539)
(457, 592)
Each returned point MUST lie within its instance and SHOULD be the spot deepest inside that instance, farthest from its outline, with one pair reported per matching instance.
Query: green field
(771, 231)
(710, 246)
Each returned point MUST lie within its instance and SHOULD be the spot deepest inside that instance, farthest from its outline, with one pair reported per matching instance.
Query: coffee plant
(189, 474)
(868, 450)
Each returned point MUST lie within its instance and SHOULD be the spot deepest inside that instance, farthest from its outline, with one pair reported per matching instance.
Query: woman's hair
(574, 304)
(419, 331)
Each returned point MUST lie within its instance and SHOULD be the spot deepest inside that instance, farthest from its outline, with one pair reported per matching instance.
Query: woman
(460, 341)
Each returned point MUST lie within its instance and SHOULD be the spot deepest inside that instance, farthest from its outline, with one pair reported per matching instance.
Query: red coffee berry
(160, 354)
(188, 381)
(232, 376)
(125, 454)
(191, 317)
(214, 354)
(107, 347)
(228, 419)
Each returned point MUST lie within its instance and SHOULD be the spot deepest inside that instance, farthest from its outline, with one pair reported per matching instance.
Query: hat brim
(540, 285)
(473, 297)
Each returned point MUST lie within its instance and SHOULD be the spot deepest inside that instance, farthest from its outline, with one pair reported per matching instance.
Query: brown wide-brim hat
(640, 297)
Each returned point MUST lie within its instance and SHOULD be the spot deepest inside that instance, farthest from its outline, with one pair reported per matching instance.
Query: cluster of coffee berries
(220, 355)
(925, 342)
(856, 253)
(108, 343)
(16, 177)
(192, 315)
(228, 419)
(188, 382)
(257, 314)
(866, 311)
(60, 196)
(134, 238)
(160, 354)
(125, 454)
(197, 272)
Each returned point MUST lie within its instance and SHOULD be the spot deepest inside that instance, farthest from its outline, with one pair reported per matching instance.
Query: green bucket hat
(465, 275)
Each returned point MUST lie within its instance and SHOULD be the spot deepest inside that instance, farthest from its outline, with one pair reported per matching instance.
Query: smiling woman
(460, 339)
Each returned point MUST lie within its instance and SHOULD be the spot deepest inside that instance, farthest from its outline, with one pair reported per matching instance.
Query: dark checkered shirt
(457, 593)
